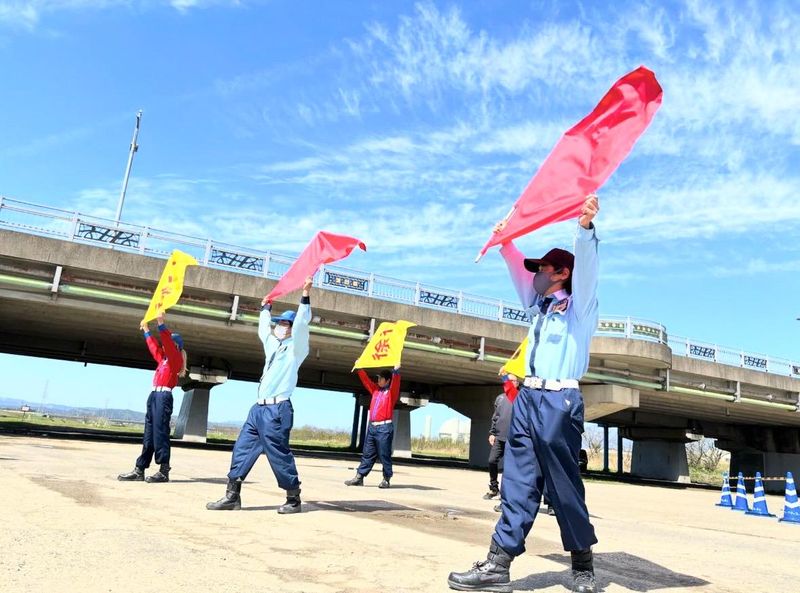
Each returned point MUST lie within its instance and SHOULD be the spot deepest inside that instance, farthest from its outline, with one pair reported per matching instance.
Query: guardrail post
(143, 239)
(74, 228)
(266, 264)
(500, 310)
(207, 254)
(766, 367)
(460, 300)
(628, 329)
(370, 289)
(716, 352)
(741, 358)
(321, 277)
(416, 294)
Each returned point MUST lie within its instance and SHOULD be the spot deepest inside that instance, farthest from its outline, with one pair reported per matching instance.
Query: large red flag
(324, 248)
(585, 157)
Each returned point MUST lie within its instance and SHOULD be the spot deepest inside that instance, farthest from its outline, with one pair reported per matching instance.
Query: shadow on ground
(629, 571)
(346, 506)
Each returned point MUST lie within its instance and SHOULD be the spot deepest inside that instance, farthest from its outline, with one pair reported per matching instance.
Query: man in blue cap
(559, 292)
(270, 420)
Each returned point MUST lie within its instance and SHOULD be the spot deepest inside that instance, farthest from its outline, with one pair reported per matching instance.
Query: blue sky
(415, 126)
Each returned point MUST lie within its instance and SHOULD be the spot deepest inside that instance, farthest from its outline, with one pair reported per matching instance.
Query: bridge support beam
(192, 424)
(604, 400)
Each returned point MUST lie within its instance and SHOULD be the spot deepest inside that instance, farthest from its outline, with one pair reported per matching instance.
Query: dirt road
(69, 525)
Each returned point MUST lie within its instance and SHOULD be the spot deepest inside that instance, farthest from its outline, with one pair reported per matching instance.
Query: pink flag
(324, 248)
(585, 157)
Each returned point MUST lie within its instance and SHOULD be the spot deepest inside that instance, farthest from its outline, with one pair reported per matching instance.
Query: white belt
(381, 422)
(550, 384)
(162, 388)
(268, 401)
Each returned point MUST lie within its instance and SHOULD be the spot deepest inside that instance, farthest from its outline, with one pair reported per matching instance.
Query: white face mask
(280, 331)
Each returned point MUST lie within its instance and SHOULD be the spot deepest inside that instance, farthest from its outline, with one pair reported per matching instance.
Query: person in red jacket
(171, 359)
(380, 431)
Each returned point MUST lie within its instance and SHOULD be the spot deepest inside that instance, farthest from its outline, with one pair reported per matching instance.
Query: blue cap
(285, 316)
(178, 340)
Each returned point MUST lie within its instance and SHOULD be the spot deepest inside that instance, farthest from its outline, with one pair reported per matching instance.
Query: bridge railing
(75, 227)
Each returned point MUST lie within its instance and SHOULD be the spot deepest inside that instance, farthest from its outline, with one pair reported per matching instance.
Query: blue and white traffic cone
(741, 495)
(726, 500)
(791, 510)
(759, 500)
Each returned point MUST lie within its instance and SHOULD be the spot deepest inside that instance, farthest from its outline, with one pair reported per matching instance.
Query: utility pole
(134, 148)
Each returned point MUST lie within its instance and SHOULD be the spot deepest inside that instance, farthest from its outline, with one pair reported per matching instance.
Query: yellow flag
(170, 286)
(517, 365)
(385, 346)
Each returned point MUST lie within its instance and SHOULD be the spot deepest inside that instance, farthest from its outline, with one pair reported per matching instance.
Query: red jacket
(167, 355)
(509, 388)
(383, 400)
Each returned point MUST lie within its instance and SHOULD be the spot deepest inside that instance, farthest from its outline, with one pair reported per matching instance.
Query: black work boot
(292, 504)
(357, 481)
(232, 501)
(162, 475)
(384, 483)
(489, 575)
(583, 580)
(137, 475)
(494, 490)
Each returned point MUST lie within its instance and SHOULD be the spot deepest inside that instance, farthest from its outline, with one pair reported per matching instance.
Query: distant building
(456, 429)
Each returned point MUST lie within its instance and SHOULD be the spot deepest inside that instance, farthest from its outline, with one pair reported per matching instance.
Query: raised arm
(265, 322)
(300, 328)
(522, 278)
(587, 262)
(152, 343)
(366, 381)
(394, 386)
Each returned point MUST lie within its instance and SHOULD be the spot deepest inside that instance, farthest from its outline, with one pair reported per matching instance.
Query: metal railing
(79, 228)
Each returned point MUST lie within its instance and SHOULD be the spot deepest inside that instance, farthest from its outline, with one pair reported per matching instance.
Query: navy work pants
(266, 430)
(378, 444)
(542, 450)
(156, 429)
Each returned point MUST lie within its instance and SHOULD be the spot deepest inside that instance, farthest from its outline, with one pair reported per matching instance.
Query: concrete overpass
(74, 287)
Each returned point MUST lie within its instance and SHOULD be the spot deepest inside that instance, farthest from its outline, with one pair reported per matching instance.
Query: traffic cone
(741, 495)
(726, 500)
(791, 509)
(759, 500)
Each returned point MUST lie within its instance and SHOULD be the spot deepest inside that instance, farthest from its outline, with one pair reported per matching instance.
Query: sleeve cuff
(146, 335)
(267, 307)
(162, 327)
(586, 234)
(395, 371)
(305, 300)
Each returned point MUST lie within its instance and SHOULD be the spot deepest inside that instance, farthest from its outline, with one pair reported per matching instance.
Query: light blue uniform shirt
(280, 372)
(566, 330)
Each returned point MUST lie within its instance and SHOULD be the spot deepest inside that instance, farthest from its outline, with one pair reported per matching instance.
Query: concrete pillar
(605, 448)
(354, 431)
(192, 424)
(477, 404)
(401, 444)
(620, 456)
(660, 460)
(479, 439)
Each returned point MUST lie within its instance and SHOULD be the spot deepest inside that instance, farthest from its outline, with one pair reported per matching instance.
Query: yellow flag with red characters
(385, 346)
(517, 365)
(170, 286)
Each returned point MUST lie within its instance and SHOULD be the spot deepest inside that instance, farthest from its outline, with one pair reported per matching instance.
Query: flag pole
(134, 148)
